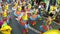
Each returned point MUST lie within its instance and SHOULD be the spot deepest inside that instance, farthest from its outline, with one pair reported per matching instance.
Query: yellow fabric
(53, 8)
(5, 14)
(50, 22)
(16, 4)
(6, 7)
(19, 8)
(24, 3)
(25, 17)
(6, 30)
(52, 32)
(29, 6)
(58, 1)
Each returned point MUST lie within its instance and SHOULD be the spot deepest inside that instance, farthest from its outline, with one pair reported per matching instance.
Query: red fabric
(22, 23)
(23, 31)
(29, 14)
(5, 19)
(59, 29)
(23, 10)
(45, 28)
(33, 22)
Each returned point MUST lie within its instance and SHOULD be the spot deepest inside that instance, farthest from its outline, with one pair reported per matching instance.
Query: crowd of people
(33, 10)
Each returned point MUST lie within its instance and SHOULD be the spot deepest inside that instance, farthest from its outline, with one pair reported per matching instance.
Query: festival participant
(24, 3)
(24, 31)
(6, 29)
(26, 26)
(42, 29)
(41, 8)
(54, 31)
(49, 20)
(29, 6)
(16, 3)
(6, 6)
(53, 9)
(45, 27)
(6, 16)
(58, 2)
(14, 8)
(5, 13)
(33, 18)
(28, 11)
(19, 8)
(23, 19)
(23, 9)
(17, 13)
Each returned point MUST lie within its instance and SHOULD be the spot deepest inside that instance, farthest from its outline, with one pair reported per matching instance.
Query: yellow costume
(52, 32)
(52, 8)
(29, 6)
(16, 4)
(24, 3)
(58, 1)
(25, 17)
(6, 30)
(6, 7)
(19, 8)
(4, 14)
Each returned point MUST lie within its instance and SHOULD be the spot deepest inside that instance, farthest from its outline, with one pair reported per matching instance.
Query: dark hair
(27, 22)
(22, 7)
